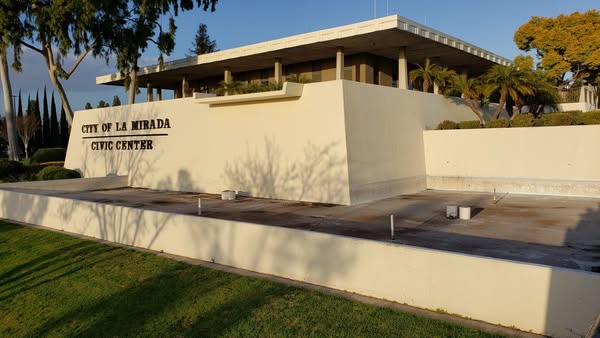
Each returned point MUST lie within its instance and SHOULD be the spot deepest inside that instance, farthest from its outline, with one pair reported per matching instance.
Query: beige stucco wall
(548, 160)
(341, 142)
(288, 149)
(552, 301)
(384, 131)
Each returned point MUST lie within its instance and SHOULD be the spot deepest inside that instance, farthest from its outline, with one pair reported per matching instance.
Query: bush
(10, 168)
(447, 124)
(561, 119)
(49, 155)
(499, 123)
(522, 120)
(473, 124)
(592, 117)
(56, 173)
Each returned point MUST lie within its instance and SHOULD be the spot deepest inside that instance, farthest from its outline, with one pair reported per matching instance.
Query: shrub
(561, 119)
(56, 173)
(49, 155)
(10, 168)
(447, 124)
(522, 120)
(499, 123)
(592, 117)
(472, 124)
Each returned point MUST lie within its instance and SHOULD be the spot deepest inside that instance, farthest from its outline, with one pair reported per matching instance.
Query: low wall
(541, 160)
(552, 301)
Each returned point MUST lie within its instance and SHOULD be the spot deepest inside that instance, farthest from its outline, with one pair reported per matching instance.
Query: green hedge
(49, 155)
(499, 123)
(10, 168)
(568, 118)
(56, 173)
(472, 124)
(447, 124)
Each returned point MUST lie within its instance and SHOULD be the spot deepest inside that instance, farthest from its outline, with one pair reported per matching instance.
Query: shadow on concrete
(564, 294)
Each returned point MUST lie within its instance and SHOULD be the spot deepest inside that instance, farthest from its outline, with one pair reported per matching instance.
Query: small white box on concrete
(228, 195)
(464, 212)
(451, 211)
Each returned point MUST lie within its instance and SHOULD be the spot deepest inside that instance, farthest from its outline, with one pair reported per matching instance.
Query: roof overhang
(383, 37)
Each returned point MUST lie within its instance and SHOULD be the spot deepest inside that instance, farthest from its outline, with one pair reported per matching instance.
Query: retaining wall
(553, 301)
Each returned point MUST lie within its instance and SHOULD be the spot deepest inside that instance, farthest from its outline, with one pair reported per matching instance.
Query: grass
(52, 284)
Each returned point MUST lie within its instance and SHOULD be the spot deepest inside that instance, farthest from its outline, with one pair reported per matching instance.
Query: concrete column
(227, 74)
(158, 94)
(402, 69)
(278, 70)
(149, 96)
(177, 93)
(185, 87)
(339, 63)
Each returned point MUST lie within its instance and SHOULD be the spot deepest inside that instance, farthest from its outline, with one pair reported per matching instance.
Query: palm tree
(443, 77)
(507, 81)
(424, 74)
(546, 94)
(229, 87)
(471, 90)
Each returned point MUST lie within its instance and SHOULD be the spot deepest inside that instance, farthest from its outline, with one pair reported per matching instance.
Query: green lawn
(56, 285)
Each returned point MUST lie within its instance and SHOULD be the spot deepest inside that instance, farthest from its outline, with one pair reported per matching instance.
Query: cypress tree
(46, 141)
(37, 138)
(64, 129)
(20, 109)
(54, 131)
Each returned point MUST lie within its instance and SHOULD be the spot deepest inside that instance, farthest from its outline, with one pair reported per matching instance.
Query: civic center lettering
(106, 142)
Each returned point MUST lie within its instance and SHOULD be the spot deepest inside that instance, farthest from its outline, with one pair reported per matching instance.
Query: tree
(64, 129)
(37, 137)
(26, 128)
(567, 44)
(472, 93)
(423, 75)
(507, 81)
(116, 101)
(45, 122)
(88, 106)
(20, 109)
(58, 29)
(443, 76)
(102, 104)
(54, 131)
(202, 43)
(10, 34)
(140, 26)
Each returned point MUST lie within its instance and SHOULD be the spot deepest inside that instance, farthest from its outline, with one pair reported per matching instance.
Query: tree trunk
(61, 92)
(473, 105)
(500, 105)
(26, 143)
(132, 84)
(11, 127)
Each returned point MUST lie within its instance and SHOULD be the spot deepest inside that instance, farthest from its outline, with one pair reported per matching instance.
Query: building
(346, 138)
(380, 51)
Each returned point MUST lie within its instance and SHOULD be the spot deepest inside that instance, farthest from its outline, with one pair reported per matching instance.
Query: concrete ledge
(78, 184)
(548, 300)
(534, 186)
(290, 90)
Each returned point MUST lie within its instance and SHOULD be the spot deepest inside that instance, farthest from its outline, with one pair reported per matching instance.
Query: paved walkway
(555, 231)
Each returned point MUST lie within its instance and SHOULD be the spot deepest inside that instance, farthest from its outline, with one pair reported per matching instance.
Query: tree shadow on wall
(318, 175)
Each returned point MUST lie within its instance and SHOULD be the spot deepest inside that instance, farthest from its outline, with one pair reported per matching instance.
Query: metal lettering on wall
(134, 141)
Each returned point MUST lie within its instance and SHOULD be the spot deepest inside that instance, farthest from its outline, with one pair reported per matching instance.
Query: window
(316, 71)
(348, 73)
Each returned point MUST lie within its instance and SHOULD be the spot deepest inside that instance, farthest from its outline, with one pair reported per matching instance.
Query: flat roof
(382, 37)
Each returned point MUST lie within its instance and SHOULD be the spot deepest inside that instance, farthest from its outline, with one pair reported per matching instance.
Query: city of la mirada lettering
(134, 141)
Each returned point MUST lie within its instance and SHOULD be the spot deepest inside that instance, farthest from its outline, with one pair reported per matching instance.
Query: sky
(484, 23)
